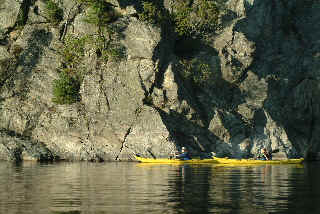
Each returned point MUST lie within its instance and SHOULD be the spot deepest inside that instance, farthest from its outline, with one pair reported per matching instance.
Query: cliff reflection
(252, 189)
(223, 189)
(189, 188)
(231, 189)
(151, 188)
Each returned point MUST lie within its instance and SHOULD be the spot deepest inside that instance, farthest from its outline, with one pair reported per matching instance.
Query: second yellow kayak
(252, 161)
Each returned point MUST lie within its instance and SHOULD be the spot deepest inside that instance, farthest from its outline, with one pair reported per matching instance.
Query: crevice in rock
(70, 18)
(88, 130)
(137, 113)
(123, 142)
(38, 23)
(22, 17)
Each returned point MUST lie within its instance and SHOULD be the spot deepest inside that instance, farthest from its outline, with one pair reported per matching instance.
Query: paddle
(154, 157)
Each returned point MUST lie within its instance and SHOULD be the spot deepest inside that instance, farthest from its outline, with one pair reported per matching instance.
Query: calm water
(144, 188)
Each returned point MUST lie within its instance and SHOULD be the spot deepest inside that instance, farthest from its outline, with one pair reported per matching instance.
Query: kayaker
(184, 155)
(265, 154)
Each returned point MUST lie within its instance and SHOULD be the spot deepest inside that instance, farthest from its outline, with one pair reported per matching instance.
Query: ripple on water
(142, 188)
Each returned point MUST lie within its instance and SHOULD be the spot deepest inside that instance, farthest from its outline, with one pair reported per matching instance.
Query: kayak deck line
(166, 160)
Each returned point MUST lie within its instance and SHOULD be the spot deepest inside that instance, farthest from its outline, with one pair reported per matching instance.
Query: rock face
(263, 88)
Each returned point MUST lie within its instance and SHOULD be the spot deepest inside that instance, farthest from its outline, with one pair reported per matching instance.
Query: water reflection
(189, 188)
(149, 188)
(252, 189)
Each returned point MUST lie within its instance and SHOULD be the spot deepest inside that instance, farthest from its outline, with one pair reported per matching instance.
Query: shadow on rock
(285, 58)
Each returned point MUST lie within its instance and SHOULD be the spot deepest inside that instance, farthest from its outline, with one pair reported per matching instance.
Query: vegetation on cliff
(66, 89)
(154, 13)
(53, 12)
(186, 81)
(195, 19)
(195, 70)
(188, 18)
(191, 23)
(100, 12)
(104, 42)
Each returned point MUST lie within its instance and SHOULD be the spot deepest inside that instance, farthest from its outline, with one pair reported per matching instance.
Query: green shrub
(53, 12)
(153, 13)
(195, 18)
(66, 89)
(73, 51)
(106, 49)
(113, 53)
(189, 18)
(100, 12)
(197, 71)
(182, 19)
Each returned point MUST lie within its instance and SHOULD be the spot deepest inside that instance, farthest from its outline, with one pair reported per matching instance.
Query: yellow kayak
(252, 161)
(175, 161)
(216, 160)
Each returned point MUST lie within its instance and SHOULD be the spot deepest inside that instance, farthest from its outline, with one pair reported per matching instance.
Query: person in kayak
(265, 154)
(184, 155)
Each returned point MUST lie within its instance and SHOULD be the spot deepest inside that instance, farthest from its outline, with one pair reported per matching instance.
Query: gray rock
(263, 89)
(141, 39)
(231, 133)
(8, 12)
(148, 137)
(16, 148)
(4, 53)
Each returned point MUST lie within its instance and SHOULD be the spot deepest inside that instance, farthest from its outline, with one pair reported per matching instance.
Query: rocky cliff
(251, 82)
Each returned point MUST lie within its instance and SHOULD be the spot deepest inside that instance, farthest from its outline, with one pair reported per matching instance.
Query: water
(144, 188)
